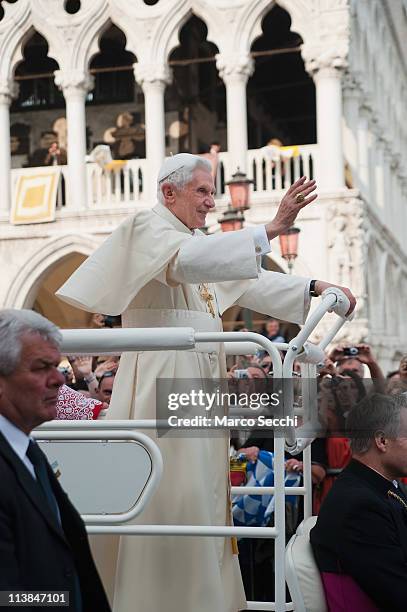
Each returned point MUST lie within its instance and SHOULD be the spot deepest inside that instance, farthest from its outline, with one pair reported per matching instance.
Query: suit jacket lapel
(29, 486)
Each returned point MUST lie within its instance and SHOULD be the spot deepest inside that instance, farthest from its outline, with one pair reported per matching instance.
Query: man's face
(105, 389)
(347, 393)
(351, 364)
(28, 396)
(395, 459)
(192, 203)
(272, 328)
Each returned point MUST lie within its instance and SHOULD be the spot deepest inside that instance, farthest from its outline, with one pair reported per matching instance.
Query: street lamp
(239, 188)
(231, 220)
(289, 246)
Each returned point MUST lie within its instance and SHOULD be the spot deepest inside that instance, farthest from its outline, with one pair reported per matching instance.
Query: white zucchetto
(177, 162)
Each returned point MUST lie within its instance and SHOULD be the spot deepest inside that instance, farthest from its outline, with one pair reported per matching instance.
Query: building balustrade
(124, 184)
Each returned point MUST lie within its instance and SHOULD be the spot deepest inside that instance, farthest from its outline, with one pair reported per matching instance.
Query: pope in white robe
(156, 270)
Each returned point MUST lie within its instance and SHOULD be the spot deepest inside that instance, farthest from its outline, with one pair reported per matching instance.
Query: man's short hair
(375, 414)
(13, 325)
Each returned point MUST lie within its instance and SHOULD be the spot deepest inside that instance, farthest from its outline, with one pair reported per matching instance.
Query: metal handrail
(86, 341)
(67, 433)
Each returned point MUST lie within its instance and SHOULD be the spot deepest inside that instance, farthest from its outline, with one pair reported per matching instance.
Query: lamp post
(239, 188)
(289, 246)
(231, 220)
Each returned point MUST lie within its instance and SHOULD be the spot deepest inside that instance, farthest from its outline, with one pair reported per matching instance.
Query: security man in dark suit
(360, 539)
(43, 541)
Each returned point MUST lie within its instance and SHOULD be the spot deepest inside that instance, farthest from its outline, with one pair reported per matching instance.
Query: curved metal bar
(206, 531)
(269, 346)
(331, 300)
(145, 441)
(333, 331)
(110, 341)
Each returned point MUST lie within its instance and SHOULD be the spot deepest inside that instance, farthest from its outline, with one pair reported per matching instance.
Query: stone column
(399, 226)
(75, 85)
(351, 93)
(388, 187)
(327, 73)
(235, 72)
(379, 171)
(363, 151)
(403, 199)
(8, 91)
(153, 79)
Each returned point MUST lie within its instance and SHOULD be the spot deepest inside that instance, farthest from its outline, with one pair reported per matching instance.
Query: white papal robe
(149, 270)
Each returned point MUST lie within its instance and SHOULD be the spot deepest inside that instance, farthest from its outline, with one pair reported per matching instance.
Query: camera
(351, 351)
(240, 374)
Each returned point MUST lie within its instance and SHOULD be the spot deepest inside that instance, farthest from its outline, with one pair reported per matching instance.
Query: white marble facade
(356, 53)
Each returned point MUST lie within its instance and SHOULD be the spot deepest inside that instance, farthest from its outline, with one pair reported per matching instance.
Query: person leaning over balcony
(56, 156)
(43, 541)
(158, 270)
(360, 538)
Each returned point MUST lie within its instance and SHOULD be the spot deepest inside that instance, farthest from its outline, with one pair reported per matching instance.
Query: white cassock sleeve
(218, 258)
(274, 294)
(232, 261)
(278, 295)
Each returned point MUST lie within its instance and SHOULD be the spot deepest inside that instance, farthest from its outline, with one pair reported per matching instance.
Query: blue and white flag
(256, 510)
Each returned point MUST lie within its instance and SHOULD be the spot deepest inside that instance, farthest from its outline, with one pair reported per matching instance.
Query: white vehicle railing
(118, 340)
(148, 484)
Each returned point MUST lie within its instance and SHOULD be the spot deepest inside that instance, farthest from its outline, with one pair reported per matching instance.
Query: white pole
(75, 86)
(235, 71)
(363, 152)
(350, 116)
(329, 128)
(307, 475)
(8, 90)
(379, 173)
(279, 524)
(153, 80)
(201, 531)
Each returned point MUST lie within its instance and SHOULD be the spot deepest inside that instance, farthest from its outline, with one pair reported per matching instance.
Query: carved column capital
(152, 75)
(8, 91)
(330, 62)
(74, 82)
(234, 67)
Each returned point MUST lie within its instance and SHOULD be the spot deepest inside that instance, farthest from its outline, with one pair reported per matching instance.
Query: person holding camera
(354, 358)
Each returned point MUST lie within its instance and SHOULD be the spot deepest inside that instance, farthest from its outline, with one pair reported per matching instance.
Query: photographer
(353, 358)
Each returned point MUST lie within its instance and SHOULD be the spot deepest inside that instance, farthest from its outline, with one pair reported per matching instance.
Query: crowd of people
(347, 376)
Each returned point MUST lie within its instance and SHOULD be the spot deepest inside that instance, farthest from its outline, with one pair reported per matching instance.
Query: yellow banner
(35, 195)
